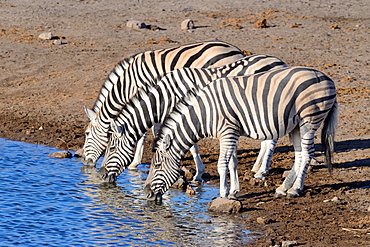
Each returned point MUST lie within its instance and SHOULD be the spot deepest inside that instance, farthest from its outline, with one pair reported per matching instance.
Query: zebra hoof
(280, 191)
(293, 193)
(259, 176)
(232, 197)
(133, 166)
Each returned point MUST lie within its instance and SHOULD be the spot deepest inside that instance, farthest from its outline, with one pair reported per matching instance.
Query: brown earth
(46, 85)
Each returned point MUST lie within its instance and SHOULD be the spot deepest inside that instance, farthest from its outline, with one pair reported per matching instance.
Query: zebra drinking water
(131, 74)
(263, 106)
(151, 105)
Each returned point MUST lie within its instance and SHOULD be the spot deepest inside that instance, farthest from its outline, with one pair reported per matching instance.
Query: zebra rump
(263, 106)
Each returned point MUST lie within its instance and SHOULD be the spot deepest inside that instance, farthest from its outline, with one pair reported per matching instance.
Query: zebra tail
(328, 133)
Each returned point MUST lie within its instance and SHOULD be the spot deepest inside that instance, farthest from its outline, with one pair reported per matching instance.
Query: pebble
(61, 155)
(334, 199)
(285, 174)
(190, 191)
(263, 220)
(224, 205)
(46, 36)
(288, 243)
(79, 153)
(136, 24)
(57, 42)
(262, 23)
(187, 24)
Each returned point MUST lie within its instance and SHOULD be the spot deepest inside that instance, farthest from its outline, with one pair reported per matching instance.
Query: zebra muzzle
(150, 195)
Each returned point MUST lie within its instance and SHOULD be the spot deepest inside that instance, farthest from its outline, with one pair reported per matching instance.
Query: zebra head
(118, 155)
(96, 139)
(164, 171)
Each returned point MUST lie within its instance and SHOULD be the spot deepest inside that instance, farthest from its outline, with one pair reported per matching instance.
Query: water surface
(56, 202)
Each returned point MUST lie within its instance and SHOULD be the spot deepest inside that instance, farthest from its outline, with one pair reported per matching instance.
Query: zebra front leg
(198, 163)
(262, 165)
(290, 179)
(308, 150)
(138, 153)
(234, 179)
(228, 146)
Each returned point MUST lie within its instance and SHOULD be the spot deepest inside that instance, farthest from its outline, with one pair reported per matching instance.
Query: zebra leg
(308, 150)
(228, 146)
(290, 179)
(198, 163)
(264, 158)
(138, 153)
(234, 179)
(140, 148)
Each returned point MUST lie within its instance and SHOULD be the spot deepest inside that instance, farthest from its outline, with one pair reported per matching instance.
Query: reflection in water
(49, 201)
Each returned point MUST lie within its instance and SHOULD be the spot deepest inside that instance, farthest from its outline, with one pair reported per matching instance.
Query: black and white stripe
(131, 74)
(264, 106)
(152, 104)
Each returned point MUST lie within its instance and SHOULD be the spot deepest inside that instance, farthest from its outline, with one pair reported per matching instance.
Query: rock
(288, 243)
(262, 23)
(79, 153)
(57, 42)
(263, 220)
(190, 191)
(61, 155)
(189, 172)
(181, 183)
(187, 24)
(334, 199)
(224, 205)
(136, 24)
(285, 174)
(46, 36)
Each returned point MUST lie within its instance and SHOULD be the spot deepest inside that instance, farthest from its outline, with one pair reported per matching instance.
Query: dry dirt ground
(46, 84)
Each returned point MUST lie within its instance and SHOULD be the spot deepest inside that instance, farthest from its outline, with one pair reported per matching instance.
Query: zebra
(153, 103)
(295, 101)
(136, 71)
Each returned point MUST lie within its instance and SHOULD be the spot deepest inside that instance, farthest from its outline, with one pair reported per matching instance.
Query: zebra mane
(171, 119)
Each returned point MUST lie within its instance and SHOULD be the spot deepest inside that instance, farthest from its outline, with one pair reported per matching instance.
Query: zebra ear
(117, 129)
(90, 114)
(166, 142)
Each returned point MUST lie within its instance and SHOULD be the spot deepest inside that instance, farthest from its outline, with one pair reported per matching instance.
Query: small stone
(57, 42)
(46, 36)
(190, 191)
(181, 183)
(288, 243)
(189, 172)
(41, 128)
(79, 153)
(61, 155)
(136, 24)
(334, 26)
(335, 199)
(224, 205)
(285, 174)
(187, 24)
(263, 220)
(262, 23)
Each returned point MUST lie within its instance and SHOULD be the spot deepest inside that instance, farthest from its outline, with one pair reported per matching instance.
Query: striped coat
(269, 105)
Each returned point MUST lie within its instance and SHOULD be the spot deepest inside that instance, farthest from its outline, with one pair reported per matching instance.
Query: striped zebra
(152, 104)
(131, 74)
(264, 106)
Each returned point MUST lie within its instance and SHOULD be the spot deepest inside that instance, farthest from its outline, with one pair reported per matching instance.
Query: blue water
(56, 202)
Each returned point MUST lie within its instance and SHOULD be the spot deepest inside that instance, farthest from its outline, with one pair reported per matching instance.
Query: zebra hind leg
(308, 150)
(290, 179)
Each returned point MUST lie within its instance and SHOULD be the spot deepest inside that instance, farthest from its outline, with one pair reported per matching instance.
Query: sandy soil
(44, 86)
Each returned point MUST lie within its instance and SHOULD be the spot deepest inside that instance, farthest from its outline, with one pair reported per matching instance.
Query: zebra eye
(157, 165)
(112, 148)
